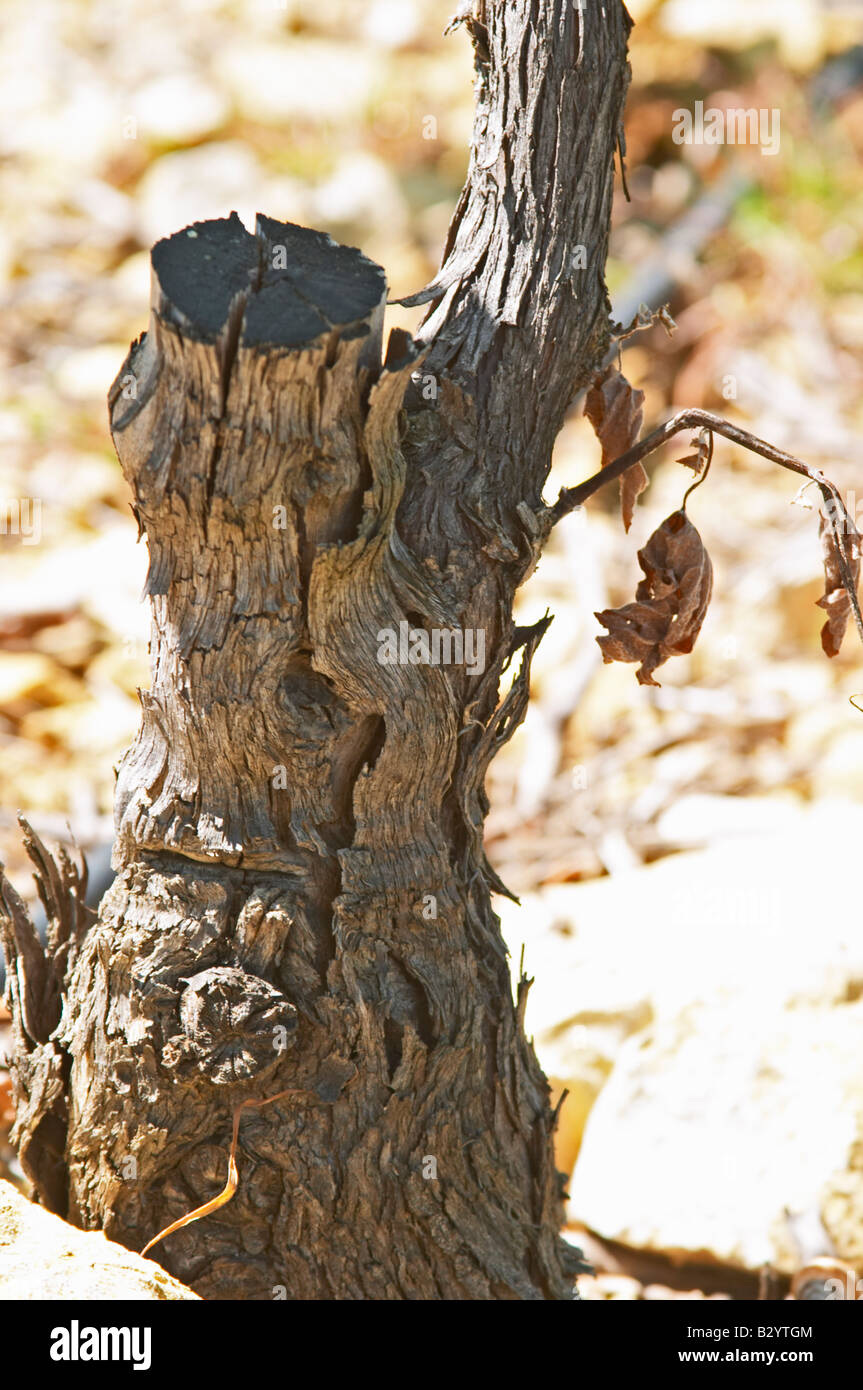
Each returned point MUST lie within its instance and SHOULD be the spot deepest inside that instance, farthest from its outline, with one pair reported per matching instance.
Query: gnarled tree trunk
(302, 901)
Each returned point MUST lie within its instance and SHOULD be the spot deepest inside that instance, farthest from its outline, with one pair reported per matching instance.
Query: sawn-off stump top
(292, 285)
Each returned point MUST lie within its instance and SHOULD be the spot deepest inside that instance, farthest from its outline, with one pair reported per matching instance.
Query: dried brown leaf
(836, 600)
(632, 485)
(616, 411)
(670, 602)
(698, 460)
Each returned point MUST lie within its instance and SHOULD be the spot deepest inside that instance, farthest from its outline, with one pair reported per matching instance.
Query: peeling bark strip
(303, 901)
(35, 972)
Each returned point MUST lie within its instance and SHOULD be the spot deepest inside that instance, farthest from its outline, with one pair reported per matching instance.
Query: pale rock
(846, 316)
(44, 1258)
(392, 23)
(299, 79)
(105, 577)
(715, 1123)
(193, 185)
(86, 374)
(797, 25)
(287, 199)
(87, 727)
(132, 279)
(640, 9)
(179, 108)
(23, 675)
(705, 1013)
(68, 133)
(618, 1286)
(13, 429)
(840, 772)
(7, 255)
(361, 189)
(110, 212)
(703, 819)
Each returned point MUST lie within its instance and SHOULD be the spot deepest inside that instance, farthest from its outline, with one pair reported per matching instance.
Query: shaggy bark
(302, 900)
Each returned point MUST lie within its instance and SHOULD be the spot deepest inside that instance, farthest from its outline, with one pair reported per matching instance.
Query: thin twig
(233, 1176)
(702, 477)
(573, 497)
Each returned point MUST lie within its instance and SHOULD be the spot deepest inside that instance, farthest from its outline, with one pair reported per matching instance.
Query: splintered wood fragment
(233, 1176)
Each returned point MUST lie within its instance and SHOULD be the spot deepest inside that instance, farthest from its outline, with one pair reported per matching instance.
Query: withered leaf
(671, 601)
(632, 485)
(616, 411)
(836, 600)
(699, 459)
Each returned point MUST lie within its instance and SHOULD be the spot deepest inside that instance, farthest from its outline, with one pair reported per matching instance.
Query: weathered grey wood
(302, 899)
(37, 971)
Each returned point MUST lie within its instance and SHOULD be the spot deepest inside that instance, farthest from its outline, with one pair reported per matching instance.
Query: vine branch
(572, 497)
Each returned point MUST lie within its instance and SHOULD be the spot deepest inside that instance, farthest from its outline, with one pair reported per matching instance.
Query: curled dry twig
(230, 1187)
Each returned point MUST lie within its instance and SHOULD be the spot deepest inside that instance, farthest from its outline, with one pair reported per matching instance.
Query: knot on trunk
(235, 1027)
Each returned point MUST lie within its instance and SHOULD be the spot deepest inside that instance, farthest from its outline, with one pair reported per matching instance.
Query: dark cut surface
(203, 269)
(322, 286)
(343, 284)
(200, 271)
(279, 316)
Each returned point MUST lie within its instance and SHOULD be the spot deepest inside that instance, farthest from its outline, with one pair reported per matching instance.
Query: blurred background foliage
(121, 123)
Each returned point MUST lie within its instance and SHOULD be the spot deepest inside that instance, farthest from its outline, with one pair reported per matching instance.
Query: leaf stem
(702, 477)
